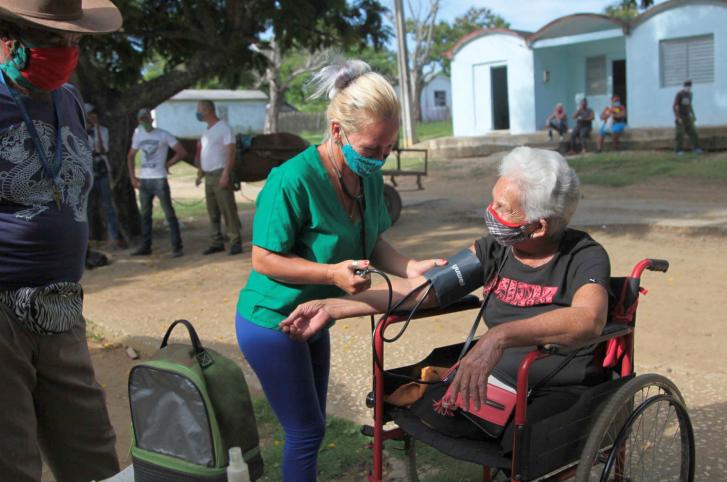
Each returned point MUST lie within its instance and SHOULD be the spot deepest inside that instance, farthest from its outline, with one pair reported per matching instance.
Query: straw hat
(79, 16)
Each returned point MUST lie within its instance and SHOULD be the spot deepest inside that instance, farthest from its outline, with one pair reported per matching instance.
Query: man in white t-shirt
(215, 161)
(154, 145)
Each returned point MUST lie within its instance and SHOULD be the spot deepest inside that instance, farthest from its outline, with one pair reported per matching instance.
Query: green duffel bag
(189, 405)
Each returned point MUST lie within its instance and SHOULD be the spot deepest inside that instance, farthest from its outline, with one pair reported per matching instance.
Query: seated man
(582, 131)
(543, 283)
(614, 122)
(557, 120)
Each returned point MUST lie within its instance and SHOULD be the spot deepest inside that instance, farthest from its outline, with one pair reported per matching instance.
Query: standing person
(584, 123)
(614, 122)
(319, 217)
(215, 161)
(50, 401)
(98, 138)
(684, 119)
(557, 120)
(154, 145)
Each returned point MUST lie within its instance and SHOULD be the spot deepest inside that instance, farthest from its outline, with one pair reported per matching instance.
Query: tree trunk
(417, 87)
(275, 103)
(123, 193)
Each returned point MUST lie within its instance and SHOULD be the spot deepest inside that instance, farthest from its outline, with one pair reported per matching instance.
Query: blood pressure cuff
(461, 275)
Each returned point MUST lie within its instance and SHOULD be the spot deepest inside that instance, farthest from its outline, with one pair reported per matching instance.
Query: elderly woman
(546, 282)
(319, 217)
(558, 120)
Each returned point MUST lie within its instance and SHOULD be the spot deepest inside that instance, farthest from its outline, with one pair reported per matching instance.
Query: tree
(627, 9)
(193, 41)
(281, 71)
(433, 39)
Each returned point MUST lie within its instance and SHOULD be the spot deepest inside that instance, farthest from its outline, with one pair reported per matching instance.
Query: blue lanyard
(51, 171)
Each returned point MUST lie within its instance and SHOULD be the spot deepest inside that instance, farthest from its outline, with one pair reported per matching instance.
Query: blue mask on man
(361, 165)
(199, 116)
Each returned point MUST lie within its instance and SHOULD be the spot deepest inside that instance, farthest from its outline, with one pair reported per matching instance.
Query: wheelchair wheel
(643, 434)
(393, 202)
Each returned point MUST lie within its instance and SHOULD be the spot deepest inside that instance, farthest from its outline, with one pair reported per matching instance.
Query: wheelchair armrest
(611, 330)
(468, 302)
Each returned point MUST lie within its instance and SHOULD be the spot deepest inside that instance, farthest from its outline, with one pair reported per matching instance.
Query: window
(596, 76)
(440, 98)
(687, 58)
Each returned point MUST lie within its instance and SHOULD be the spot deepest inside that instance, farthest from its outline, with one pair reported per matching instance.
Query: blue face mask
(363, 166)
(199, 116)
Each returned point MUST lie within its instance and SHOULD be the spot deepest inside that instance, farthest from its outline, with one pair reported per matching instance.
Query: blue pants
(294, 376)
(159, 188)
(101, 184)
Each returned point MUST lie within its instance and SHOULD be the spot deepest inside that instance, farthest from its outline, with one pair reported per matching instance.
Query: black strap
(196, 343)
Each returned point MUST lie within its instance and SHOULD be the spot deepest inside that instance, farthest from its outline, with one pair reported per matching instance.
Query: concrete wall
(471, 90)
(178, 117)
(430, 112)
(567, 67)
(650, 105)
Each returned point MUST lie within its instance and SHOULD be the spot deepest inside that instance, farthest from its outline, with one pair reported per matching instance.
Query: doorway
(618, 69)
(500, 105)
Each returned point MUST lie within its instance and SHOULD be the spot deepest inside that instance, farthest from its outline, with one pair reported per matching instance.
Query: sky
(527, 15)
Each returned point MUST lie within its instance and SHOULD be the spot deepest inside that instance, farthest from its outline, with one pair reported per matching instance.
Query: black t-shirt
(519, 292)
(683, 101)
(584, 118)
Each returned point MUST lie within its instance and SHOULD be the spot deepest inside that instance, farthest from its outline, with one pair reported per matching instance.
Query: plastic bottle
(237, 470)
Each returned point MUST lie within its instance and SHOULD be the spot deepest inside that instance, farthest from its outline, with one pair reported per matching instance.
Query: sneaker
(177, 253)
(680, 152)
(235, 249)
(213, 249)
(143, 251)
(698, 150)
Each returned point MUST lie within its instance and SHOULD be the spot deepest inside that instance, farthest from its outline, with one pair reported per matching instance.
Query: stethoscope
(359, 200)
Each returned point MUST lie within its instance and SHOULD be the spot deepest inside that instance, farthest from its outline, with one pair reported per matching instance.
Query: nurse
(319, 218)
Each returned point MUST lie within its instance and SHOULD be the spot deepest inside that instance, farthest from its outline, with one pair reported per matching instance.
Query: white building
(244, 110)
(436, 100)
(511, 80)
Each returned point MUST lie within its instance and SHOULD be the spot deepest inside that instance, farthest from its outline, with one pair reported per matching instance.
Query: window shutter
(690, 58)
(596, 81)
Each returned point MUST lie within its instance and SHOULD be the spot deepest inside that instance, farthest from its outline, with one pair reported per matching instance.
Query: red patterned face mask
(44, 69)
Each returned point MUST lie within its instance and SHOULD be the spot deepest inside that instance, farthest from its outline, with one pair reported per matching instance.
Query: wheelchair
(628, 428)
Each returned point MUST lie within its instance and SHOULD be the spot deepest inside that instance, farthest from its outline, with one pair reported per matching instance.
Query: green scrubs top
(298, 212)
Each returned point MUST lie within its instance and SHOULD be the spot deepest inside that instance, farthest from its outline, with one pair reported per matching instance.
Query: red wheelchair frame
(621, 319)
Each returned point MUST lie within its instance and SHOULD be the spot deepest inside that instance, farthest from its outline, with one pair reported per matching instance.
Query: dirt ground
(682, 325)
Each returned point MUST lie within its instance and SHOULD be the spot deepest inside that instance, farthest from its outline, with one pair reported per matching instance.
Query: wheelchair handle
(661, 265)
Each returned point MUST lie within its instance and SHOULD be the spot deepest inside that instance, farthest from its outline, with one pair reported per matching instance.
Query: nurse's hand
(343, 276)
(306, 320)
(415, 268)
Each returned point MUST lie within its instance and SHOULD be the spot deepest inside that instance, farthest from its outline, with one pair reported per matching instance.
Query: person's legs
(108, 204)
(320, 350)
(291, 374)
(562, 127)
(584, 133)
(212, 179)
(146, 198)
(74, 429)
(692, 133)
(19, 454)
(228, 206)
(165, 199)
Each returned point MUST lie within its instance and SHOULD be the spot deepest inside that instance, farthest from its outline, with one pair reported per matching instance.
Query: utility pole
(404, 84)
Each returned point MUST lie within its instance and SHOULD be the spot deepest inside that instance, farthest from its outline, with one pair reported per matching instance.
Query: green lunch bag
(189, 405)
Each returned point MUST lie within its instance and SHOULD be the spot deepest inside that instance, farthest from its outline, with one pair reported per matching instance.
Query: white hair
(357, 95)
(549, 187)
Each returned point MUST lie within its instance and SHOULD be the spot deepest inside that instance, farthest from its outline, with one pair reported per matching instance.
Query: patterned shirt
(39, 243)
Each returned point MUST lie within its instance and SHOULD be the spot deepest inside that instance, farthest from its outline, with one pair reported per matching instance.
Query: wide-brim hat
(78, 16)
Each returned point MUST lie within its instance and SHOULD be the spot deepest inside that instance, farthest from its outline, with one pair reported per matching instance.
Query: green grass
(344, 454)
(619, 169)
(424, 131)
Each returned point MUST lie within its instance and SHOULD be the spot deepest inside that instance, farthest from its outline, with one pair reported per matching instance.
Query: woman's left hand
(418, 268)
(306, 320)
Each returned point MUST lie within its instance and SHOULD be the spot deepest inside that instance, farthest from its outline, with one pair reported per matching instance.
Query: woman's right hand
(306, 320)
(343, 276)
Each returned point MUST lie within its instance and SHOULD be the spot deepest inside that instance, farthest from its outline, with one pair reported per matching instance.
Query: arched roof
(578, 23)
(662, 7)
(481, 33)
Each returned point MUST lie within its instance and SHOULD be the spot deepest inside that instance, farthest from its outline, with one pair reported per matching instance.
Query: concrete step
(711, 138)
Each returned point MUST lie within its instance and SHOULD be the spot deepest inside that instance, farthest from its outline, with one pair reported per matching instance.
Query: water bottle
(237, 469)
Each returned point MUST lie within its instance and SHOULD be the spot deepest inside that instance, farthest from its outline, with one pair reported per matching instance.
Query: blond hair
(358, 96)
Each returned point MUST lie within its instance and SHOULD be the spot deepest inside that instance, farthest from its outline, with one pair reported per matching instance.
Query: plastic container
(237, 470)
